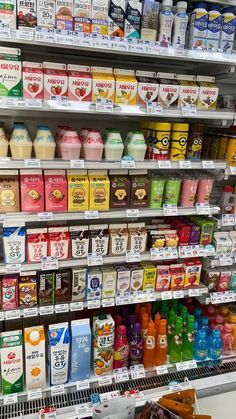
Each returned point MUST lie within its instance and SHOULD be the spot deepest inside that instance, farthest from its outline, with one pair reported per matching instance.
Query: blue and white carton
(80, 350)
(58, 351)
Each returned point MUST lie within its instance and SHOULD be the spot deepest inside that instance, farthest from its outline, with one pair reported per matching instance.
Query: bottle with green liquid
(183, 315)
(188, 340)
(164, 309)
(176, 344)
(170, 328)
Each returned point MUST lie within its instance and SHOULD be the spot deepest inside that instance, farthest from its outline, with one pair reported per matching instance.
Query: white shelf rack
(216, 261)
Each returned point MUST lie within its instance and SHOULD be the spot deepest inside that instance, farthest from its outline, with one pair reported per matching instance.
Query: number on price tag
(91, 215)
(157, 254)
(30, 312)
(203, 209)
(170, 253)
(46, 310)
(166, 295)
(32, 163)
(108, 302)
(132, 256)
(208, 164)
(189, 109)
(162, 369)
(104, 105)
(185, 251)
(34, 103)
(77, 164)
(10, 399)
(224, 261)
(137, 371)
(94, 304)
(35, 394)
(62, 308)
(178, 294)
(105, 381)
(194, 292)
(12, 314)
(164, 164)
(94, 260)
(49, 263)
(228, 220)
(82, 385)
(185, 164)
(128, 164)
(170, 210)
(77, 306)
(130, 213)
(121, 374)
(154, 108)
(58, 390)
(26, 35)
(13, 268)
(45, 216)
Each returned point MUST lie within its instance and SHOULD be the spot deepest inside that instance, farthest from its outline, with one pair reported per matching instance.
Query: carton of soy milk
(58, 352)
(11, 362)
(35, 365)
(80, 350)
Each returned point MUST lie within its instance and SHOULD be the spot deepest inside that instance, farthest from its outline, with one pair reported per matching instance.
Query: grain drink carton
(148, 87)
(79, 83)
(9, 191)
(46, 286)
(8, 14)
(28, 289)
(82, 15)
(80, 355)
(188, 90)
(126, 87)
(99, 186)
(123, 278)
(108, 281)
(35, 362)
(12, 362)
(136, 276)
(10, 72)
(64, 15)
(55, 190)
(62, 286)
(116, 18)
(79, 279)
(32, 80)
(103, 343)
(208, 93)
(99, 15)
(78, 190)
(36, 244)
(46, 10)
(55, 81)
(58, 353)
(103, 83)
(59, 242)
(26, 14)
(32, 190)
(94, 284)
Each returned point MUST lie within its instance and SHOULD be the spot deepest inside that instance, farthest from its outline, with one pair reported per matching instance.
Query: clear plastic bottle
(180, 25)
(166, 19)
(201, 346)
(228, 339)
(205, 326)
(121, 349)
(215, 345)
(136, 345)
(198, 317)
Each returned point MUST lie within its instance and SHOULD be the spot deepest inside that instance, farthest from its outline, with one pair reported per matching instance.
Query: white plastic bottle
(214, 27)
(228, 29)
(180, 25)
(198, 26)
(166, 22)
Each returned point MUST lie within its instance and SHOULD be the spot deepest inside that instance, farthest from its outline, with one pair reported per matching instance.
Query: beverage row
(76, 191)
(219, 279)
(63, 242)
(202, 26)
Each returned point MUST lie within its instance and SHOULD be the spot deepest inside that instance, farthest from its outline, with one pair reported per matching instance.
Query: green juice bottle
(183, 315)
(176, 344)
(164, 309)
(188, 340)
(170, 328)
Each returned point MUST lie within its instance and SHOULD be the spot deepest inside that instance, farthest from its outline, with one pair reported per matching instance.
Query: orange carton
(103, 83)
(177, 276)
(192, 269)
(103, 344)
(126, 87)
(55, 190)
(80, 83)
(55, 81)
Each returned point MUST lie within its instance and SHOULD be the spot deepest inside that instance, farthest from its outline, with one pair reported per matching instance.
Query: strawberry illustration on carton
(32, 80)
(80, 83)
(55, 80)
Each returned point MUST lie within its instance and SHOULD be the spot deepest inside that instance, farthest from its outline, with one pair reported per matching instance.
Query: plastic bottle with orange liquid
(145, 321)
(149, 347)
(161, 344)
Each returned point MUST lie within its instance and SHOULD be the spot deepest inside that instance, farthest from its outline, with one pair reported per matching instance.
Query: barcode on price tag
(10, 399)
(30, 312)
(164, 164)
(208, 164)
(170, 253)
(82, 385)
(157, 254)
(77, 164)
(104, 105)
(178, 294)
(130, 213)
(185, 164)
(132, 256)
(49, 263)
(224, 261)
(32, 163)
(94, 260)
(13, 268)
(76, 306)
(203, 209)
(194, 292)
(46, 310)
(35, 394)
(62, 308)
(121, 374)
(2, 218)
(170, 210)
(108, 302)
(91, 215)
(162, 369)
(45, 216)
(166, 295)
(137, 371)
(228, 220)
(58, 390)
(83, 409)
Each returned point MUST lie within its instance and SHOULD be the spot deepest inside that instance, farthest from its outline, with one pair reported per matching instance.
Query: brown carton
(140, 190)
(120, 189)
(168, 89)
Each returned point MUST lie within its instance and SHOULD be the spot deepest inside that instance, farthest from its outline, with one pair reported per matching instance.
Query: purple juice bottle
(132, 320)
(136, 346)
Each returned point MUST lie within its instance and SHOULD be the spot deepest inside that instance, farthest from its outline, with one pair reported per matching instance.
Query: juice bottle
(183, 315)
(176, 344)
(161, 344)
(200, 346)
(219, 323)
(188, 340)
(131, 321)
(215, 345)
(232, 320)
(228, 339)
(170, 329)
(136, 345)
(118, 322)
(224, 311)
(164, 309)
(145, 320)
(157, 322)
(198, 316)
(121, 349)
(149, 347)
(205, 326)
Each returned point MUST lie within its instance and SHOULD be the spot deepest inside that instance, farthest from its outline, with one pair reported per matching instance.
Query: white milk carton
(35, 362)
(58, 352)
(12, 362)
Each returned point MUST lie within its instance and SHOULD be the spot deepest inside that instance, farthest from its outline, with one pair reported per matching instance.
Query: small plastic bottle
(201, 346)
(166, 19)
(219, 323)
(132, 320)
(149, 347)
(224, 312)
(198, 317)
(205, 326)
(161, 344)
(180, 25)
(228, 339)
(170, 329)
(121, 349)
(176, 344)
(188, 340)
(215, 345)
(136, 345)
(195, 329)
(144, 325)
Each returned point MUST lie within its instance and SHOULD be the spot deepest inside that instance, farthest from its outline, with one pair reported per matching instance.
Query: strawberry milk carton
(59, 242)
(36, 244)
(32, 80)
(55, 190)
(55, 81)
(80, 83)
(32, 190)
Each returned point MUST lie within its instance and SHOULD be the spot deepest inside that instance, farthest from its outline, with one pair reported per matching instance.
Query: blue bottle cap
(200, 5)
(201, 334)
(228, 9)
(213, 7)
(216, 333)
(205, 321)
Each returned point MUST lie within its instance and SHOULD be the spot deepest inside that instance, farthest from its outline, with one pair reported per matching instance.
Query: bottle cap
(167, 3)
(228, 9)
(137, 327)
(213, 7)
(198, 312)
(228, 189)
(182, 5)
(228, 327)
(201, 334)
(200, 5)
(219, 318)
(205, 321)
(122, 329)
(216, 333)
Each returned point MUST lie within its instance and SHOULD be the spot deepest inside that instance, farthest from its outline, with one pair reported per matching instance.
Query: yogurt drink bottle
(180, 25)
(214, 27)
(166, 19)
(228, 29)
(198, 27)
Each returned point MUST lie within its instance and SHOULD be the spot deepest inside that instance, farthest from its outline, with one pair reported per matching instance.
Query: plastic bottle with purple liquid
(136, 345)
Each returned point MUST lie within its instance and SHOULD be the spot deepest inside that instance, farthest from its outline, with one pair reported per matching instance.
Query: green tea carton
(12, 362)
(10, 72)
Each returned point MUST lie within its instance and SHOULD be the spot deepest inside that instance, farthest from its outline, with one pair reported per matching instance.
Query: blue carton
(80, 350)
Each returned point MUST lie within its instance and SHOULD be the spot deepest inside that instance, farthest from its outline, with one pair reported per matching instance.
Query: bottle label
(215, 353)
(136, 352)
(201, 354)
(121, 356)
(190, 336)
(178, 340)
(162, 341)
(150, 342)
(170, 329)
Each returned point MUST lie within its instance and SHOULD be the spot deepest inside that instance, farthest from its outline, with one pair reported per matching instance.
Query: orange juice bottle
(145, 320)
(149, 347)
(157, 323)
(161, 344)
(148, 309)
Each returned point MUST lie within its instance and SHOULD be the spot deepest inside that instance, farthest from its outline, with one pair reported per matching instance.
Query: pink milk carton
(80, 83)
(163, 278)
(224, 280)
(32, 190)
(32, 75)
(36, 244)
(55, 190)
(55, 81)
(59, 242)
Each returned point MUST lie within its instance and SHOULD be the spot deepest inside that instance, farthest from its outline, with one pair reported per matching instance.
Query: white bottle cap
(167, 3)
(182, 5)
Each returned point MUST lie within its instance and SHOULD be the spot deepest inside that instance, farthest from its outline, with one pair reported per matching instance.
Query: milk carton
(14, 244)
(55, 81)
(80, 350)
(32, 80)
(58, 352)
(35, 363)
(46, 13)
(82, 15)
(10, 76)
(11, 362)
(94, 284)
(99, 15)
(79, 276)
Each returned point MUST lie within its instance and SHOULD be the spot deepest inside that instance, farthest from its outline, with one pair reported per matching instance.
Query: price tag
(178, 294)
(45, 216)
(4, 32)
(77, 164)
(9, 102)
(194, 292)
(121, 374)
(32, 163)
(46, 310)
(49, 263)
(104, 105)
(185, 251)
(164, 164)
(170, 210)
(94, 260)
(13, 268)
(83, 409)
(228, 220)
(162, 369)
(157, 254)
(10, 399)
(170, 253)
(44, 35)
(35, 394)
(94, 304)
(30, 312)
(108, 302)
(58, 390)
(203, 209)
(130, 213)
(128, 164)
(137, 371)
(198, 250)
(2, 218)
(154, 108)
(26, 35)
(123, 300)
(62, 308)
(77, 306)
(82, 385)
(187, 365)
(166, 295)
(185, 164)
(91, 215)
(189, 110)
(2, 315)
(34, 103)
(232, 170)
(216, 298)
(208, 164)
(105, 381)
(225, 260)
(210, 250)
(175, 387)
(132, 256)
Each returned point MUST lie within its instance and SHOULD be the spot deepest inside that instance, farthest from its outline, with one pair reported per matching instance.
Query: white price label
(2, 315)
(216, 298)
(194, 292)
(128, 164)
(2, 218)
(9, 102)
(185, 251)
(58, 390)
(166, 295)
(203, 209)
(232, 170)
(178, 294)
(25, 34)
(77, 306)
(210, 250)
(208, 164)
(13, 268)
(77, 164)
(30, 312)
(49, 263)
(187, 365)
(198, 250)
(170, 210)
(162, 369)
(4, 32)
(154, 108)
(104, 105)
(108, 302)
(225, 260)
(157, 254)
(94, 304)
(132, 256)
(170, 253)
(123, 300)
(10, 399)
(46, 310)
(94, 260)
(45, 216)
(189, 110)
(33, 103)
(91, 215)
(82, 385)
(32, 163)
(105, 381)
(121, 374)
(185, 164)
(35, 394)
(61, 308)
(138, 297)
(164, 164)
(175, 387)
(130, 213)
(228, 220)
(83, 409)
(137, 371)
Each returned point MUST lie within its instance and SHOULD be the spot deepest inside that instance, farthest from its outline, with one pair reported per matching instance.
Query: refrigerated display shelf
(218, 297)
(214, 262)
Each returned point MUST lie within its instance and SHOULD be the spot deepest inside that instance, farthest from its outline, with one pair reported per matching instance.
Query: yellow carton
(99, 186)
(126, 87)
(103, 83)
(149, 276)
(78, 190)
(208, 92)
(35, 357)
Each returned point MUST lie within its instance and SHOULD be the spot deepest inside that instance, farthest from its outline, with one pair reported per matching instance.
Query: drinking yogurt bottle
(20, 142)
(70, 145)
(93, 146)
(136, 146)
(44, 144)
(3, 143)
(205, 185)
(188, 192)
(113, 145)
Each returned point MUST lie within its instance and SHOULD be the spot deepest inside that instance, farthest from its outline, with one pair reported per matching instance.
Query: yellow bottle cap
(232, 318)
(162, 126)
(180, 127)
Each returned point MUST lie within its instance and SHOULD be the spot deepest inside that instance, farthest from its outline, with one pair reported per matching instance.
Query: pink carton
(59, 242)
(55, 81)
(9, 292)
(163, 278)
(32, 80)
(80, 83)
(32, 190)
(55, 190)
(224, 280)
(36, 244)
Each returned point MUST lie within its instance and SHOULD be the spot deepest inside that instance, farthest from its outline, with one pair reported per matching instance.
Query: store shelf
(214, 262)
(218, 297)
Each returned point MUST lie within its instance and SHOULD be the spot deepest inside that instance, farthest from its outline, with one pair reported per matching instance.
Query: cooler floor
(220, 406)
